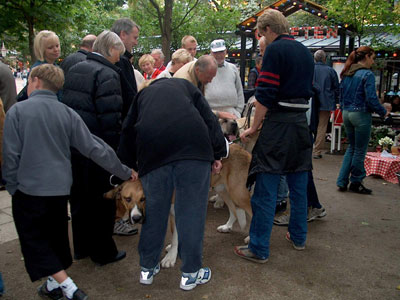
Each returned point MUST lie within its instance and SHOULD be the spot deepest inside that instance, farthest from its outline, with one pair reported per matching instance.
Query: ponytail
(355, 57)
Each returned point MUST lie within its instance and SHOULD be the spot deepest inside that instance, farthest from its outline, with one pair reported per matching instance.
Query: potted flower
(386, 143)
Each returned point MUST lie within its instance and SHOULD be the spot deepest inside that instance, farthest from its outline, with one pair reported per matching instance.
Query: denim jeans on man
(358, 129)
(263, 204)
(191, 181)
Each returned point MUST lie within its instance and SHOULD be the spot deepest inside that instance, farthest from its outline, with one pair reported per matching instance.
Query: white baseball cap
(217, 45)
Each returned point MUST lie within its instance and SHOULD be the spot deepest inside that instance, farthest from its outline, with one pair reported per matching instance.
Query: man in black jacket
(128, 31)
(175, 138)
(80, 55)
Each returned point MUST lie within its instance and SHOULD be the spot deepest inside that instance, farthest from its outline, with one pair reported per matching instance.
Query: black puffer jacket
(72, 59)
(92, 88)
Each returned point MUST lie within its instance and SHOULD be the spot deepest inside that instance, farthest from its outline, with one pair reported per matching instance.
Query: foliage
(202, 19)
(379, 132)
(70, 19)
(361, 16)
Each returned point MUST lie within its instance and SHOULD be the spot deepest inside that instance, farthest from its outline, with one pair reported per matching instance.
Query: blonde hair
(146, 58)
(273, 19)
(51, 76)
(106, 41)
(181, 56)
(188, 39)
(39, 43)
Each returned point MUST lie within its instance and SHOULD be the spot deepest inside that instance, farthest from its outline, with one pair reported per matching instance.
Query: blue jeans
(358, 129)
(263, 204)
(191, 181)
(283, 189)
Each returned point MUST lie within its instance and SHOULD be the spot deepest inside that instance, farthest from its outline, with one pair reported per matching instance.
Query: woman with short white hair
(179, 58)
(93, 89)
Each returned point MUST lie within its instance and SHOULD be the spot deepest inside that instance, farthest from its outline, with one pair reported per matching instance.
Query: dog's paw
(170, 258)
(168, 248)
(247, 240)
(224, 229)
(219, 203)
(213, 198)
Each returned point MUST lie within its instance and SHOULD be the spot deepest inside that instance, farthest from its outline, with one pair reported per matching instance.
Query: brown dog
(130, 200)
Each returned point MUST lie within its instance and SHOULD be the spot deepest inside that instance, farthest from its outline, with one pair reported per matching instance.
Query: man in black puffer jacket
(92, 88)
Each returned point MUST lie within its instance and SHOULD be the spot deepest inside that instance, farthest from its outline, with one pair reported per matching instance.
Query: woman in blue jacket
(358, 100)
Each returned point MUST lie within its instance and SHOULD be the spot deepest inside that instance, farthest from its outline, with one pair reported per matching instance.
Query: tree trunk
(167, 30)
(31, 34)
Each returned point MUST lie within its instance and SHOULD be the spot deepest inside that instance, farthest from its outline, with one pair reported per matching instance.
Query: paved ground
(353, 253)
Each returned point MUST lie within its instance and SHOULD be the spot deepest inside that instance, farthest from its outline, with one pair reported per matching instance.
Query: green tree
(363, 16)
(70, 19)
(166, 22)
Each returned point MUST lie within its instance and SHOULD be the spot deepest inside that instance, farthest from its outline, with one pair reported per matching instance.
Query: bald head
(263, 43)
(87, 42)
(206, 68)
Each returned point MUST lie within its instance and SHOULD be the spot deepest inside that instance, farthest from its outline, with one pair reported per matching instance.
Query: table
(385, 167)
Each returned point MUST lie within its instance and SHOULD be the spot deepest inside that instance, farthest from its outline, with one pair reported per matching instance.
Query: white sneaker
(147, 275)
(190, 280)
(316, 213)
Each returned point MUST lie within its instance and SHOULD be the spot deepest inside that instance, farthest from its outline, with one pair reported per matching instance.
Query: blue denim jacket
(357, 93)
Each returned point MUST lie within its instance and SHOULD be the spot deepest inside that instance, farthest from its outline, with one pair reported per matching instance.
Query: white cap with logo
(217, 46)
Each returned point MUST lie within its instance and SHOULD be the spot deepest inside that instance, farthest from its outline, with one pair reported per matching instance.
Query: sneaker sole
(317, 217)
(126, 233)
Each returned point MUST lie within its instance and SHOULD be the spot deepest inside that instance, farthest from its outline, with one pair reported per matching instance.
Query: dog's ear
(111, 194)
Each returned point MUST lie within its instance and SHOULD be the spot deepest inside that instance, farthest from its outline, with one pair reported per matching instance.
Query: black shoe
(55, 294)
(342, 188)
(357, 187)
(281, 207)
(78, 295)
(317, 156)
(120, 255)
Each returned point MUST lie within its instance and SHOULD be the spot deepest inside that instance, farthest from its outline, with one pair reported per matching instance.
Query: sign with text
(318, 32)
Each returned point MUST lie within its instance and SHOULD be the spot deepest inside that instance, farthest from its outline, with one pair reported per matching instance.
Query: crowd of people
(99, 115)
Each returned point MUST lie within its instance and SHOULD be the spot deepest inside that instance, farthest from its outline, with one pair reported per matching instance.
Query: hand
(245, 134)
(134, 176)
(226, 115)
(216, 167)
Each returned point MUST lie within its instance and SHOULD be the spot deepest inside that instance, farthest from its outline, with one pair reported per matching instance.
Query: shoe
(147, 275)
(315, 213)
(342, 188)
(190, 280)
(122, 227)
(281, 207)
(317, 156)
(357, 187)
(55, 294)
(78, 295)
(297, 247)
(282, 220)
(245, 252)
(120, 255)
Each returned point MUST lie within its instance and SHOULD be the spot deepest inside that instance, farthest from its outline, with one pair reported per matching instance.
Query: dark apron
(283, 146)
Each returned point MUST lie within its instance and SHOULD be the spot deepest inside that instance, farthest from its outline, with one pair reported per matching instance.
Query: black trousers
(42, 226)
(93, 216)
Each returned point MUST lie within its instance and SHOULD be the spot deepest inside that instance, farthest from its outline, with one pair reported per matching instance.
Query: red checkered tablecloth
(385, 167)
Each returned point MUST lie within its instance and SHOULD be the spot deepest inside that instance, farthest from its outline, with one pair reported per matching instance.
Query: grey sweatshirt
(38, 134)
